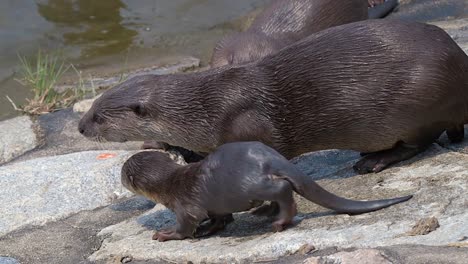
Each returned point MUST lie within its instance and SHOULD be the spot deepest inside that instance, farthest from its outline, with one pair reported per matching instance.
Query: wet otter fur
(384, 87)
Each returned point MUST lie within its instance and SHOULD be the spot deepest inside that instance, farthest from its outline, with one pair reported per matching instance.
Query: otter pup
(231, 179)
(287, 21)
(384, 87)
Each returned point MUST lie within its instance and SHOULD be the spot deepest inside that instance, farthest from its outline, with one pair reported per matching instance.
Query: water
(109, 35)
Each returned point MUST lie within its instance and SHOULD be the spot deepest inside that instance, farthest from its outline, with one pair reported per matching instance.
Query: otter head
(148, 173)
(124, 112)
(243, 48)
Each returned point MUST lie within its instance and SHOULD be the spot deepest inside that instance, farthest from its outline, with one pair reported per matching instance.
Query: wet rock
(437, 178)
(17, 136)
(7, 260)
(362, 256)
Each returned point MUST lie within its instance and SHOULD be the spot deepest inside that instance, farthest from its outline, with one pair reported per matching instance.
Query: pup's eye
(98, 119)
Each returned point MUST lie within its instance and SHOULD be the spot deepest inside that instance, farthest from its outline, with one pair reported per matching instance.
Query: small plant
(41, 76)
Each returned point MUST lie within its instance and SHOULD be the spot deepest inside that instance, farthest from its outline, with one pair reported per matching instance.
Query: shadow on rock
(244, 224)
(132, 204)
(157, 220)
(338, 164)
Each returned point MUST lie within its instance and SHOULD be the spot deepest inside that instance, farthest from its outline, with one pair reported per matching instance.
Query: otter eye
(98, 119)
(139, 109)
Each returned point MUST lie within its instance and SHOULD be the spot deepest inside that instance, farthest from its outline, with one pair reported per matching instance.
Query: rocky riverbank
(62, 202)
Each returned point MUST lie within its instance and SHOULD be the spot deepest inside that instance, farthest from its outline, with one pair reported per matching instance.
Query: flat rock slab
(17, 136)
(437, 178)
(69, 240)
(61, 136)
(47, 189)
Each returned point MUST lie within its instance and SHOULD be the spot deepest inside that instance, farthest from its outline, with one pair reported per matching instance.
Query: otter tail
(382, 10)
(309, 189)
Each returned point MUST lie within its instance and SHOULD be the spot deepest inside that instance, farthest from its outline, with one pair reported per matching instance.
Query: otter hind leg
(214, 224)
(281, 192)
(269, 210)
(377, 161)
(456, 133)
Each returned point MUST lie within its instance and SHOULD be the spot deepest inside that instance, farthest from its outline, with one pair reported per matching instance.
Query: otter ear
(139, 109)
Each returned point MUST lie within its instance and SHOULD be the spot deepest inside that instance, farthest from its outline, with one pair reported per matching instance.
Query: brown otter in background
(384, 87)
(287, 21)
(230, 180)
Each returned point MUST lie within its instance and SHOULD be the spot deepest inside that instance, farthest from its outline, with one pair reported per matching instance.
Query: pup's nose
(81, 129)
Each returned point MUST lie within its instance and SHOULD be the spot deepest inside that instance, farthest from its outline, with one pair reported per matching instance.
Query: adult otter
(287, 21)
(230, 180)
(384, 87)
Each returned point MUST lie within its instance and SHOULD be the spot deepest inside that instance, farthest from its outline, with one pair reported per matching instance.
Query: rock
(417, 254)
(46, 189)
(425, 11)
(424, 227)
(361, 256)
(437, 178)
(84, 105)
(457, 29)
(61, 136)
(175, 65)
(306, 249)
(17, 136)
(69, 240)
(7, 260)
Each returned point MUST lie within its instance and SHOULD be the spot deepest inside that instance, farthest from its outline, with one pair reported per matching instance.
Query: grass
(41, 75)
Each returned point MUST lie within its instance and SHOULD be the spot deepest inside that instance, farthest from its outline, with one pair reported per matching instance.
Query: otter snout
(86, 127)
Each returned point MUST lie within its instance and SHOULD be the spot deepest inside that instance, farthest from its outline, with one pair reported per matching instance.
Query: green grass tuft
(41, 75)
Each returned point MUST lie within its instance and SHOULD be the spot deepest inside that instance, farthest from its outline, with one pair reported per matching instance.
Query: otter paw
(162, 237)
(280, 225)
(370, 163)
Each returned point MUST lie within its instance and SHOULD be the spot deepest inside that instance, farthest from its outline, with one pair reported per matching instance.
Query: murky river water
(98, 35)
(109, 33)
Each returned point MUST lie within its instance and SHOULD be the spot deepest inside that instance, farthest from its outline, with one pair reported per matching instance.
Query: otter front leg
(183, 229)
(376, 162)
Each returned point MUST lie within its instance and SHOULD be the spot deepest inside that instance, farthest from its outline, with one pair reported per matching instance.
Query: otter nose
(81, 129)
